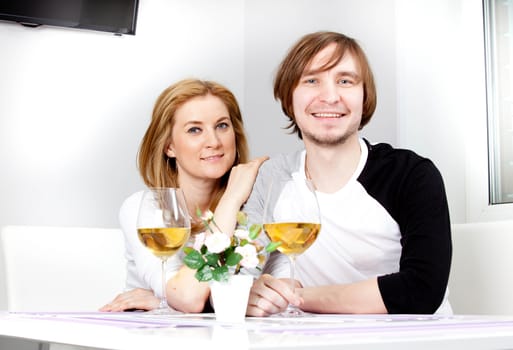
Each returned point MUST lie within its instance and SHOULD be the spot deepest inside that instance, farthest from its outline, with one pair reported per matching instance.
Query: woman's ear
(169, 151)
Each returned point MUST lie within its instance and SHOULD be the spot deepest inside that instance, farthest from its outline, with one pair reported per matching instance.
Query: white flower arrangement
(216, 255)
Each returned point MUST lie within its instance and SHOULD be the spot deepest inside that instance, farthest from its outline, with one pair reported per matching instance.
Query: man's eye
(346, 82)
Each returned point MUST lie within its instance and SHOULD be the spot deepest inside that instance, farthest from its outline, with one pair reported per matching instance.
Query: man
(385, 242)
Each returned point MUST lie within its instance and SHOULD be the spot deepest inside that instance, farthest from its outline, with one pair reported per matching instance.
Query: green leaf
(271, 247)
(204, 274)
(233, 259)
(188, 250)
(212, 259)
(221, 274)
(194, 260)
(254, 231)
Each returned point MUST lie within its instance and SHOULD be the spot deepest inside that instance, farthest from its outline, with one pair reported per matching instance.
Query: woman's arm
(184, 292)
(240, 184)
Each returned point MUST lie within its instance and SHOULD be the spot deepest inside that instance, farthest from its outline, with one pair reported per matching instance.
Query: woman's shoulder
(130, 206)
(133, 200)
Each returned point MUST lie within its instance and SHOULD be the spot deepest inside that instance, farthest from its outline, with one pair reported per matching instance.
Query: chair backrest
(481, 281)
(62, 268)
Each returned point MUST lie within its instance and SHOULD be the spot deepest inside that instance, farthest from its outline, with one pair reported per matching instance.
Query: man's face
(328, 104)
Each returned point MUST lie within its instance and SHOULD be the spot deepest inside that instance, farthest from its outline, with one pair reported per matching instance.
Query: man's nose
(328, 92)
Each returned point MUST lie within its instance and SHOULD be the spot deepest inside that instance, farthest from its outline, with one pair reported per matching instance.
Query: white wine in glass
(292, 217)
(163, 226)
(295, 237)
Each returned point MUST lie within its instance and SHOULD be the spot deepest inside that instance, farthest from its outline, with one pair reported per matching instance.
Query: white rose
(217, 242)
(242, 234)
(249, 256)
(199, 240)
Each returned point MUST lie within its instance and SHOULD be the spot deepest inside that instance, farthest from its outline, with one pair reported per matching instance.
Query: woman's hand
(135, 299)
(240, 184)
(242, 178)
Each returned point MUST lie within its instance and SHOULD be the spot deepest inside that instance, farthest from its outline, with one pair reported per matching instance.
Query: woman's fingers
(135, 299)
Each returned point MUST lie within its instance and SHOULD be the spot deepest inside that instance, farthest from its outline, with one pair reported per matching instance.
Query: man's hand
(270, 295)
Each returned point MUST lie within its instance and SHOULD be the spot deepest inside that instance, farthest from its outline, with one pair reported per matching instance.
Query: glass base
(291, 311)
(163, 311)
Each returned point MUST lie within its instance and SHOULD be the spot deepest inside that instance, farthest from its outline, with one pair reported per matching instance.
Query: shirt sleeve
(423, 217)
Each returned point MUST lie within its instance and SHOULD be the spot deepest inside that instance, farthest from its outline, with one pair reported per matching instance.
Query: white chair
(481, 281)
(62, 268)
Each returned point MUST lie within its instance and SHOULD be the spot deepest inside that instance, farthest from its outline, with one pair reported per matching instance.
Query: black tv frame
(79, 14)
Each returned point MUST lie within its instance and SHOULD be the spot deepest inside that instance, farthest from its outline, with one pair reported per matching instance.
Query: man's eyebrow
(351, 74)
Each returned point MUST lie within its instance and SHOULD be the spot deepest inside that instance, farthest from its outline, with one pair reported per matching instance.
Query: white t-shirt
(360, 235)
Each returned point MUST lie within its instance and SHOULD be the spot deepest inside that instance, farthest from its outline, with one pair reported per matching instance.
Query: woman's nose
(213, 139)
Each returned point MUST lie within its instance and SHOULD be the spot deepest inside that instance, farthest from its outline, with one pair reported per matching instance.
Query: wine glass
(163, 226)
(291, 217)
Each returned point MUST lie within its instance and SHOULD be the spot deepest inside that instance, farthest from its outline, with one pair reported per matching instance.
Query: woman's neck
(198, 194)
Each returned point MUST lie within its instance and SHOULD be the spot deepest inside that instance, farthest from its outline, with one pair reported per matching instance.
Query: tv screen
(115, 16)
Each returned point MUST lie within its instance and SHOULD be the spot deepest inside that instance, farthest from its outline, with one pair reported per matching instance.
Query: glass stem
(163, 299)
(292, 271)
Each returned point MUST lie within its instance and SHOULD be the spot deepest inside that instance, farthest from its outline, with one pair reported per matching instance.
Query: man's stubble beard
(328, 141)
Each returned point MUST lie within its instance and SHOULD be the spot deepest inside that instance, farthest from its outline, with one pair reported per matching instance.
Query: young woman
(195, 141)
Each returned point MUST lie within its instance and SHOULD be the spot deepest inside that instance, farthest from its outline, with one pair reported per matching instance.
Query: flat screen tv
(115, 16)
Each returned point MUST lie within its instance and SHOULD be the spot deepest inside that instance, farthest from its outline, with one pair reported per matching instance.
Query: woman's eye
(193, 130)
(311, 81)
(223, 125)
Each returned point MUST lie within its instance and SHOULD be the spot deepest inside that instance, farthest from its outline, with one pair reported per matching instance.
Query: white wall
(431, 91)
(271, 27)
(74, 104)
(442, 101)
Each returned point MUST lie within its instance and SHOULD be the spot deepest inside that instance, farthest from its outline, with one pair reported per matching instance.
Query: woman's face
(203, 139)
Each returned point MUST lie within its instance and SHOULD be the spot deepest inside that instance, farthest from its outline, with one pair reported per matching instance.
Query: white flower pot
(230, 299)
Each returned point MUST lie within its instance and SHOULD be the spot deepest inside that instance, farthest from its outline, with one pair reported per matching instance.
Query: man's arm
(355, 298)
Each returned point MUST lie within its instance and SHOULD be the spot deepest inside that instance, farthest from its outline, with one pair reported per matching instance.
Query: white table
(127, 331)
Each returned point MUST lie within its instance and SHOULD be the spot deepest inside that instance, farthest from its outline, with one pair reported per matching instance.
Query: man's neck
(330, 168)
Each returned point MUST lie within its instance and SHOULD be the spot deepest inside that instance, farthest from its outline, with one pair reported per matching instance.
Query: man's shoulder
(283, 162)
(385, 150)
(385, 157)
(395, 162)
